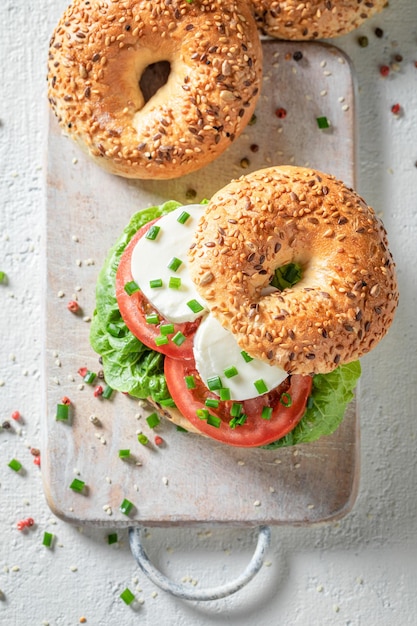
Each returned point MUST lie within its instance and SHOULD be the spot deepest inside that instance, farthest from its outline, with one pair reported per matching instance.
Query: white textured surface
(359, 571)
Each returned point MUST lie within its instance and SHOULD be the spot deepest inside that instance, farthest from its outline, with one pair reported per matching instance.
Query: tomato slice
(288, 402)
(136, 307)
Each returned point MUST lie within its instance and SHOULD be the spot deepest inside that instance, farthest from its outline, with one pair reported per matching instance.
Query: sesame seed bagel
(100, 55)
(347, 296)
(313, 19)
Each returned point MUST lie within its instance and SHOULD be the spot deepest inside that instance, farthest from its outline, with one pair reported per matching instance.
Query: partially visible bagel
(99, 53)
(347, 296)
(313, 19)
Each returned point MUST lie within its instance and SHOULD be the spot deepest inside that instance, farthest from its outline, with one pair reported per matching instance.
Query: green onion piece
(266, 412)
(131, 287)
(246, 356)
(126, 506)
(179, 338)
(224, 394)
(241, 419)
(231, 371)
(142, 438)
(183, 217)
(174, 282)
(153, 232)
(195, 306)
(153, 420)
(166, 329)
(202, 414)
(174, 264)
(181, 429)
(62, 412)
(152, 318)
(112, 538)
(107, 393)
(114, 330)
(286, 276)
(236, 409)
(127, 596)
(286, 399)
(90, 377)
(124, 454)
(212, 402)
(156, 283)
(167, 402)
(212, 420)
(214, 382)
(2, 277)
(77, 485)
(15, 465)
(322, 122)
(161, 340)
(260, 386)
(190, 382)
(47, 539)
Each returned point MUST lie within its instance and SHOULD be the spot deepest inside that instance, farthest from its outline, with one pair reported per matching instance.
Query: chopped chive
(161, 340)
(127, 596)
(142, 438)
(156, 283)
(107, 393)
(266, 412)
(202, 414)
(112, 538)
(131, 287)
(47, 539)
(246, 356)
(214, 382)
(183, 217)
(231, 371)
(179, 338)
(114, 330)
(190, 382)
(167, 402)
(322, 122)
(174, 264)
(180, 429)
(126, 506)
(195, 306)
(174, 282)
(62, 412)
(153, 420)
(124, 454)
(236, 409)
(77, 485)
(15, 465)
(212, 420)
(286, 276)
(152, 318)
(224, 394)
(241, 419)
(232, 422)
(166, 329)
(2, 277)
(89, 377)
(212, 402)
(260, 386)
(153, 232)
(286, 399)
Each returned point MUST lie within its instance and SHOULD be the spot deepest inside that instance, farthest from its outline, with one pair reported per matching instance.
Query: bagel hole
(153, 78)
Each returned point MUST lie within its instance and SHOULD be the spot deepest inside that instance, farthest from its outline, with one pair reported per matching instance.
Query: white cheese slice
(216, 351)
(151, 259)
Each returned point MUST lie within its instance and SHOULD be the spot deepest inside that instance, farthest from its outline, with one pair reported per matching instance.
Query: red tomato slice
(136, 307)
(256, 431)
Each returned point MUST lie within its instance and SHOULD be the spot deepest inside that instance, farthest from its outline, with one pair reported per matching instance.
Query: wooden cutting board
(188, 479)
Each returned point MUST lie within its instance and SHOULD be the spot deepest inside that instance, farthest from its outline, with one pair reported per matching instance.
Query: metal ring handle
(211, 593)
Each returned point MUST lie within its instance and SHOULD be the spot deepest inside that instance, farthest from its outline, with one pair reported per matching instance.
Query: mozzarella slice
(151, 259)
(216, 352)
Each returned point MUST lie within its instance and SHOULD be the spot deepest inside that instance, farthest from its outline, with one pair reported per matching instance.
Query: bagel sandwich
(243, 319)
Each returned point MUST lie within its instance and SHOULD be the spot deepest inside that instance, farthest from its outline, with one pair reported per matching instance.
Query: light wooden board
(189, 479)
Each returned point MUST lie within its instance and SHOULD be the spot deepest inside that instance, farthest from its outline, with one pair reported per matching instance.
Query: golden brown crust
(99, 52)
(347, 297)
(313, 19)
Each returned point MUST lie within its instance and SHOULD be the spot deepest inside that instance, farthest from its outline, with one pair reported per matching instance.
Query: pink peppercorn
(66, 400)
(158, 440)
(396, 108)
(281, 113)
(37, 460)
(16, 415)
(384, 70)
(82, 371)
(73, 306)
(98, 391)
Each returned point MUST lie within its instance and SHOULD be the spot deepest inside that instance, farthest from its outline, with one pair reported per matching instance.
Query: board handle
(211, 593)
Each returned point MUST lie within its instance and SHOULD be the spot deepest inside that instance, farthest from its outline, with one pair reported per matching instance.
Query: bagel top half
(347, 296)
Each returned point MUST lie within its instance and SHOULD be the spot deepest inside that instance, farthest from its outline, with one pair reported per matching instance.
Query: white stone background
(361, 570)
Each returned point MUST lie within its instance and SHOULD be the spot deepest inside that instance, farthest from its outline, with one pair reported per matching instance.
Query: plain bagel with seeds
(313, 19)
(347, 296)
(99, 53)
